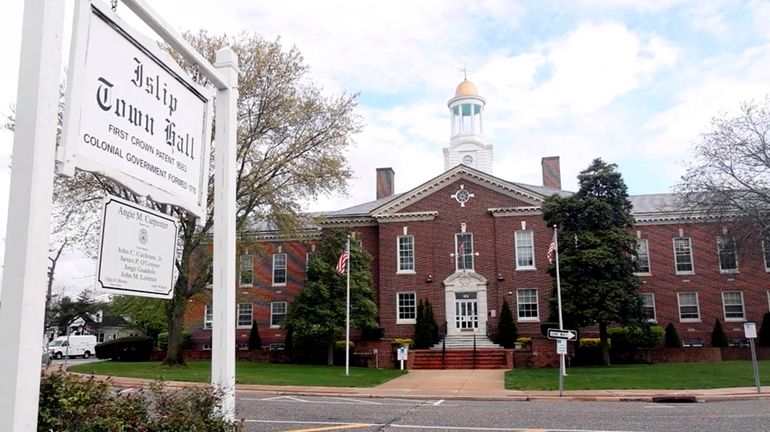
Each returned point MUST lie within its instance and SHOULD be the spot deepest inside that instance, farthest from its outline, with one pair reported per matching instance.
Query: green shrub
(132, 348)
(255, 341)
(672, 337)
(592, 342)
(163, 340)
(506, 328)
(421, 327)
(764, 330)
(403, 342)
(73, 403)
(626, 339)
(718, 336)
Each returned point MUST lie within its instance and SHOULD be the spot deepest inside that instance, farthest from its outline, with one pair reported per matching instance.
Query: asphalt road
(263, 412)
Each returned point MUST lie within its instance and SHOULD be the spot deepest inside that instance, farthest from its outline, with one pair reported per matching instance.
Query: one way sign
(562, 334)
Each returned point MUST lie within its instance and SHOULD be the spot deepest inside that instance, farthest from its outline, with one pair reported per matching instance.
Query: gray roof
(362, 209)
(543, 190)
(653, 203)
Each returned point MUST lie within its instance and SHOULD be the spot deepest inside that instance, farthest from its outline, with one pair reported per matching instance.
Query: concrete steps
(466, 342)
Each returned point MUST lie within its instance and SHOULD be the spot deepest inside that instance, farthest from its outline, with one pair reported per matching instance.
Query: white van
(79, 345)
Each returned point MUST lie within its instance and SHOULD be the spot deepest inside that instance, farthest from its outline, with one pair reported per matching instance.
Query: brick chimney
(551, 172)
(385, 179)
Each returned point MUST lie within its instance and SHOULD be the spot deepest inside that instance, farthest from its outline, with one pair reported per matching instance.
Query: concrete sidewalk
(481, 384)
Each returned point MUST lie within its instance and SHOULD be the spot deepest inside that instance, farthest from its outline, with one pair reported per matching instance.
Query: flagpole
(562, 369)
(347, 315)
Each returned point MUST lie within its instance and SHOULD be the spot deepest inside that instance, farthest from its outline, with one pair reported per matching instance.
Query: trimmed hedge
(632, 338)
(132, 348)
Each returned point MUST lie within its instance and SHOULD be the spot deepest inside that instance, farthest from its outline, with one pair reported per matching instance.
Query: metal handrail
(443, 347)
(474, 350)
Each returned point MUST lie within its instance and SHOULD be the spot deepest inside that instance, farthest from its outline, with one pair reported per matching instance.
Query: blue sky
(633, 82)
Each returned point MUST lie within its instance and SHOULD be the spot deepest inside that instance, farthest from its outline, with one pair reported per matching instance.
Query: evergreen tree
(764, 330)
(506, 327)
(255, 341)
(718, 337)
(432, 324)
(672, 337)
(317, 315)
(598, 285)
(288, 342)
(422, 330)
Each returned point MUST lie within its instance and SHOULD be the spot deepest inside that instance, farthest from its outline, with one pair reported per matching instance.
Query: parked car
(74, 345)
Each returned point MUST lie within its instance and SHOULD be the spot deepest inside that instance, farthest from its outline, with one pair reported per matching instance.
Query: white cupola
(466, 144)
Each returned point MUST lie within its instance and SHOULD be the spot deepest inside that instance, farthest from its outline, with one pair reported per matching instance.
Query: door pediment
(461, 281)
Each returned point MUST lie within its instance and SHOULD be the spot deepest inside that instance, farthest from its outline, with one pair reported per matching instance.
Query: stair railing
(474, 350)
(443, 347)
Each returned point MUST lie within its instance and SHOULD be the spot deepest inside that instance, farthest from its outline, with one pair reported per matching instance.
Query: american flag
(461, 249)
(342, 263)
(552, 249)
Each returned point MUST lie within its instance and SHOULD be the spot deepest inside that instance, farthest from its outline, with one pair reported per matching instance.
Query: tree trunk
(603, 343)
(330, 354)
(175, 314)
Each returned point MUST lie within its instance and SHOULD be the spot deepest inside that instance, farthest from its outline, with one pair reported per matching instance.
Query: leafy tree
(764, 330)
(672, 337)
(718, 337)
(142, 313)
(598, 284)
(730, 176)
(255, 341)
(506, 327)
(66, 312)
(317, 315)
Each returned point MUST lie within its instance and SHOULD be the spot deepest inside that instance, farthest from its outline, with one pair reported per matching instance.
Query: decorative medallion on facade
(462, 195)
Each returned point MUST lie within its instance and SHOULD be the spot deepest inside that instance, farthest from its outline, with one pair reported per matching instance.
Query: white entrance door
(466, 314)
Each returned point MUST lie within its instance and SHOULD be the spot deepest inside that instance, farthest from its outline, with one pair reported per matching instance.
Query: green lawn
(662, 376)
(247, 373)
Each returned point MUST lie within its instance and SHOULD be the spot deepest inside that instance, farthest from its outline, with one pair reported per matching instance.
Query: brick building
(466, 240)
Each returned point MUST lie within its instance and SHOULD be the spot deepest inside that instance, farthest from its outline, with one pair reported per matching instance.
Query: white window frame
(405, 256)
(766, 253)
(248, 269)
(464, 255)
(401, 309)
(308, 255)
(697, 307)
(643, 244)
(720, 243)
(520, 303)
(208, 317)
(676, 260)
(284, 268)
(274, 314)
(651, 296)
(520, 240)
(742, 305)
(239, 312)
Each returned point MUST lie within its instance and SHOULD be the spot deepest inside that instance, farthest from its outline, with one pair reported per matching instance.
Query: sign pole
(34, 147)
(754, 364)
(223, 333)
(562, 369)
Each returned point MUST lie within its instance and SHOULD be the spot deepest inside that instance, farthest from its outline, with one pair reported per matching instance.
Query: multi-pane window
(526, 304)
(648, 306)
(683, 255)
(244, 315)
(208, 317)
(406, 307)
(247, 269)
(277, 313)
(688, 306)
(279, 269)
(766, 251)
(406, 253)
(464, 243)
(733, 304)
(642, 257)
(728, 256)
(308, 257)
(525, 250)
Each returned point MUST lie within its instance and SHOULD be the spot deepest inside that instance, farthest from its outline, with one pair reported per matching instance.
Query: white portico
(465, 296)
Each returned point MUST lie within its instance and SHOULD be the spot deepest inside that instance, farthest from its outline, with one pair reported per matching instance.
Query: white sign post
(403, 355)
(34, 143)
(750, 330)
(137, 252)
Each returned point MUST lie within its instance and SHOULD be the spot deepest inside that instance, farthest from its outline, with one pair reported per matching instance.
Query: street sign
(561, 346)
(562, 334)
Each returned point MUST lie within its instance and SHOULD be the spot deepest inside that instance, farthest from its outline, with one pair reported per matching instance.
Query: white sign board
(403, 353)
(750, 330)
(133, 115)
(137, 251)
(561, 346)
(562, 334)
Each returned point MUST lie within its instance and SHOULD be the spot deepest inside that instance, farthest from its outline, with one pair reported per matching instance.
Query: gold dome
(466, 88)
